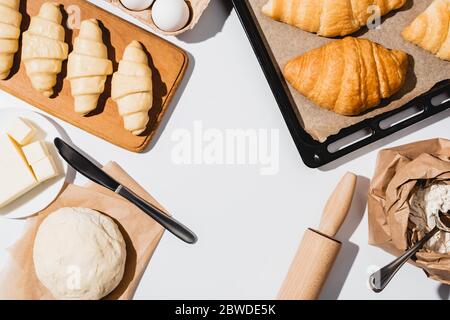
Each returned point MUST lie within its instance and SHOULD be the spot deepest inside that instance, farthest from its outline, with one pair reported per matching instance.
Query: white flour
(425, 207)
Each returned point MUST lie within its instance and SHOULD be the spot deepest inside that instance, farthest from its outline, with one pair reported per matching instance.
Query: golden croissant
(431, 29)
(132, 88)
(88, 67)
(329, 18)
(44, 49)
(348, 76)
(10, 20)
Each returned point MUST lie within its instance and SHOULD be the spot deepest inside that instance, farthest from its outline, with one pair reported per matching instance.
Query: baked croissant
(132, 88)
(431, 29)
(348, 76)
(328, 18)
(44, 49)
(10, 20)
(88, 67)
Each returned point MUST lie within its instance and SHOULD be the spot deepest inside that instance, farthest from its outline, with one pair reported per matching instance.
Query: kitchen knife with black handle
(88, 169)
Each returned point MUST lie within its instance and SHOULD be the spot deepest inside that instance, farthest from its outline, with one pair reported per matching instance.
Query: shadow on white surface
(444, 291)
(210, 23)
(208, 26)
(349, 250)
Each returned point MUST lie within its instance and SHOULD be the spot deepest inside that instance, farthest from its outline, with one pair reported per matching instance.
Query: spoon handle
(380, 279)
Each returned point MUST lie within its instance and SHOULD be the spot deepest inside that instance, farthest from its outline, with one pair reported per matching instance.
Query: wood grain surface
(168, 63)
(318, 250)
(338, 205)
(310, 268)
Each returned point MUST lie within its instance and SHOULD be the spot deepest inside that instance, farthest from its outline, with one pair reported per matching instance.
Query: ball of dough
(170, 15)
(79, 254)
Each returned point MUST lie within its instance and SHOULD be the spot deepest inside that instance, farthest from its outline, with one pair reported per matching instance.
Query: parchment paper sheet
(142, 235)
(287, 42)
(396, 175)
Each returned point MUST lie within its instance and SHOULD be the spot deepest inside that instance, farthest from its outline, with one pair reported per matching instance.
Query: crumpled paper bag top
(398, 171)
(141, 233)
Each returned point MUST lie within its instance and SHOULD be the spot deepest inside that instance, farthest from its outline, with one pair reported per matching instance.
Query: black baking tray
(314, 153)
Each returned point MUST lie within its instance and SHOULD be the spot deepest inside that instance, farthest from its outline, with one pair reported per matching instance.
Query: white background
(249, 225)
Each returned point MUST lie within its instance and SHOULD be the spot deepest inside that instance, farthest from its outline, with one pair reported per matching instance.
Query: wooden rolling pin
(318, 249)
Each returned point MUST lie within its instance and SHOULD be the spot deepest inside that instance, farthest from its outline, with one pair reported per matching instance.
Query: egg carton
(197, 7)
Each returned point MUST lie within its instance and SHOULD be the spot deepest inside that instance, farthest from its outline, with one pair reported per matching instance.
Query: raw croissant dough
(132, 88)
(431, 29)
(44, 49)
(328, 18)
(10, 20)
(348, 76)
(88, 67)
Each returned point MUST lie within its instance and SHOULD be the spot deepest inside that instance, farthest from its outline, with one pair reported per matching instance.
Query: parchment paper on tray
(398, 171)
(141, 233)
(287, 42)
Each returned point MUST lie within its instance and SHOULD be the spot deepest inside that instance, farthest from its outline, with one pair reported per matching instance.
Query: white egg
(170, 15)
(136, 5)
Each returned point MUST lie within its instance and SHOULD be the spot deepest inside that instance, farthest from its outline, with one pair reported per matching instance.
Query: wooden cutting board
(168, 63)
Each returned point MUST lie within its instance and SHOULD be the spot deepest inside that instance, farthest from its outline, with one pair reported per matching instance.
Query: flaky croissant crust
(329, 18)
(431, 29)
(348, 76)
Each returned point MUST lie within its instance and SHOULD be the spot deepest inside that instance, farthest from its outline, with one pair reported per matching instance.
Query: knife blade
(88, 169)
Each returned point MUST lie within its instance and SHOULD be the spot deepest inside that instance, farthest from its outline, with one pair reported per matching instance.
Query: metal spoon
(380, 279)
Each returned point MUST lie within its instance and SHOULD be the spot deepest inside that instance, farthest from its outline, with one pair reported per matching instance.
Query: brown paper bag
(397, 172)
(141, 233)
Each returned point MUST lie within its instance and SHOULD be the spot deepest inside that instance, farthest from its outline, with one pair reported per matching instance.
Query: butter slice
(35, 151)
(45, 169)
(16, 176)
(21, 131)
